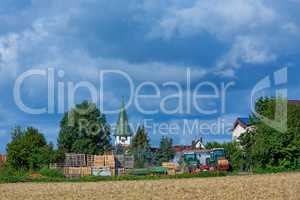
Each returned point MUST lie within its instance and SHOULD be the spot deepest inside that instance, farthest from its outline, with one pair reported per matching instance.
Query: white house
(241, 125)
(198, 144)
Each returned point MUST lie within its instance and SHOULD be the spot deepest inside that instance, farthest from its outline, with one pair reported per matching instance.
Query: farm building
(197, 147)
(243, 124)
(196, 144)
(240, 126)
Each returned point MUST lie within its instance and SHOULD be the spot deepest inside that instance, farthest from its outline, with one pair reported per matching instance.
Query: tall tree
(166, 151)
(140, 148)
(28, 150)
(84, 129)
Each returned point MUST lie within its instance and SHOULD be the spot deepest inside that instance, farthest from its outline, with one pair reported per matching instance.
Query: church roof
(122, 126)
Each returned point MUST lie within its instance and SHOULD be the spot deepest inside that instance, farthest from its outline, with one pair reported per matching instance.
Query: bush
(270, 169)
(10, 171)
(11, 175)
(28, 150)
(51, 173)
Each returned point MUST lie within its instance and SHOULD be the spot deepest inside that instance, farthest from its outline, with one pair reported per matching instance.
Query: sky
(150, 47)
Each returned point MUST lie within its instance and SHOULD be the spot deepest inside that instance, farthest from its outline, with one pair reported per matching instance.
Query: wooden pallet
(75, 160)
(77, 171)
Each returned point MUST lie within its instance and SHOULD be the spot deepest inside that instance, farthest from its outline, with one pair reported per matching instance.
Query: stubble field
(272, 186)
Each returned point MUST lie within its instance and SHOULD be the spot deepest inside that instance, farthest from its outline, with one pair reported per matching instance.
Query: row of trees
(84, 129)
(143, 154)
(88, 132)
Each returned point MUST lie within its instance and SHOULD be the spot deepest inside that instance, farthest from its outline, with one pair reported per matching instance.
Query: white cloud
(42, 41)
(16, 47)
(246, 49)
(221, 18)
(252, 29)
(154, 71)
(8, 54)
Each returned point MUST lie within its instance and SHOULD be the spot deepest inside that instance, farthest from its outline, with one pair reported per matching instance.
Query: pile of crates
(99, 161)
(78, 165)
(124, 163)
(104, 164)
(90, 159)
(75, 160)
(75, 165)
(72, 172)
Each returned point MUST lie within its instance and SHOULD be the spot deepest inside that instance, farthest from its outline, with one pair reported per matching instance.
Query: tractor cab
(190, 161)
(217, 154)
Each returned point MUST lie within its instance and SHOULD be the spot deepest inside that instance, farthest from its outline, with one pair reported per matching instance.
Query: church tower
(123, 134)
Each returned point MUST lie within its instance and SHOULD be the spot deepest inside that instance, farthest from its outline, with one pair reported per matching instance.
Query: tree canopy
(140, 148)
(266, 147)
(28, 150)
(166, 151)
(84, 129)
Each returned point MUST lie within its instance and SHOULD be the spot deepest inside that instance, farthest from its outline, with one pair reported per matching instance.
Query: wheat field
(272, 186)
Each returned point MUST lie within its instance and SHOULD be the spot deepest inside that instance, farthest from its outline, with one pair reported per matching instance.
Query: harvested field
(272, 186)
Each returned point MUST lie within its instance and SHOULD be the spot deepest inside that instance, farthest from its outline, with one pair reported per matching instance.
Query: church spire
(122, 126)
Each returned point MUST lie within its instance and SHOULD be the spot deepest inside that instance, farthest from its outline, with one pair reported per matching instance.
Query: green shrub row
(49, 175)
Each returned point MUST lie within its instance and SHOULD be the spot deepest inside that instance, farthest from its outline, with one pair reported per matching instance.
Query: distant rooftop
(243, 121)
(294, 102)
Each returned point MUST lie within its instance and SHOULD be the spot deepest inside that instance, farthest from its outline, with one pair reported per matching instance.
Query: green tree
(84, 129)
(28, 149)
(140, 148)
(166, 151)
(119, 149)
(211, 145)
(265, 147)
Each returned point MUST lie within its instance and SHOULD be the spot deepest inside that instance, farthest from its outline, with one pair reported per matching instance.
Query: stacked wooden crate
(99, 161)
(110, 162)
(104, 162)
(75, 165)
(90, 160)
(124, 163)
(86, 171)
(77, 171)
(75, 160)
